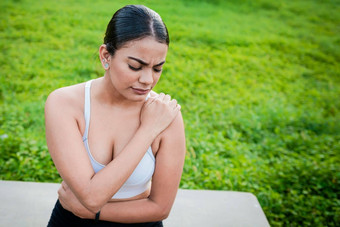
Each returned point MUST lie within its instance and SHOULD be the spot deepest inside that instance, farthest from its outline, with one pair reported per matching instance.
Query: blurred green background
(258, 82)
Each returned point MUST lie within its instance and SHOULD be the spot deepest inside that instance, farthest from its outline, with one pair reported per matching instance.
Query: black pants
(64, 218)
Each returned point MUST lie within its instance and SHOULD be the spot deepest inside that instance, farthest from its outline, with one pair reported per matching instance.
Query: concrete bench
(31, 203)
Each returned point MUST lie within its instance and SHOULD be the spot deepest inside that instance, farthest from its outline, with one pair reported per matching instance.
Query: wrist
(147, 133)
(96, 217)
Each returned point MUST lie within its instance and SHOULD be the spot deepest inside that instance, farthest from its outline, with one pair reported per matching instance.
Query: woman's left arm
(165, 181)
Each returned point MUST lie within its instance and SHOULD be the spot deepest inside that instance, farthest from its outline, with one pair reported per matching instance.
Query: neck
(106, 94)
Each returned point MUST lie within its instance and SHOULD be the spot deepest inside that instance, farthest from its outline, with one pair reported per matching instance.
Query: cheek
(122, 75)
(156, 79)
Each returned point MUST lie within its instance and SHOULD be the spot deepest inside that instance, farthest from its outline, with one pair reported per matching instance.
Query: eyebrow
(144, 63)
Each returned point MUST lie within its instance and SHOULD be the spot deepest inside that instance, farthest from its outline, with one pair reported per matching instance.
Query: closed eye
(157, 70)
(135, 69)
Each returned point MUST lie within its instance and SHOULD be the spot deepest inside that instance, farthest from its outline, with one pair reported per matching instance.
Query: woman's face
(136, 67)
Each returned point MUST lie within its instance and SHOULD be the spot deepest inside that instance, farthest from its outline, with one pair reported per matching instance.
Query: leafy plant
(258, 82)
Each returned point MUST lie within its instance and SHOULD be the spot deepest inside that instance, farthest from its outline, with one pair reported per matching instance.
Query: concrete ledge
(30, 204)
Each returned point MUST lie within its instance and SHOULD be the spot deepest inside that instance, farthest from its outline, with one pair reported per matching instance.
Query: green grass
(258, 82)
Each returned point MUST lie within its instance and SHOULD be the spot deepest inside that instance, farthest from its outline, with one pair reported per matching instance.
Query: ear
(104, 55)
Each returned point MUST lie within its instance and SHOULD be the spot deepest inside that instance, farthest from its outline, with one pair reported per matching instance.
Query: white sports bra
(140, 180)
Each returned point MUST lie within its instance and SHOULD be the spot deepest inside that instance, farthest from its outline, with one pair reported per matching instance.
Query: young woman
(118, 146)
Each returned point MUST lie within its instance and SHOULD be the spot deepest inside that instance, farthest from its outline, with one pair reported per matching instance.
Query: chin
(138, 98)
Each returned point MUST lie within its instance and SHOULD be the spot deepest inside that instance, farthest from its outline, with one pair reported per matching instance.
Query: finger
(167, 98)
(149, 101)
(173, 103)
(161, 96)
(63, 204)
(61, 191)
(176, 110)
(64, 185)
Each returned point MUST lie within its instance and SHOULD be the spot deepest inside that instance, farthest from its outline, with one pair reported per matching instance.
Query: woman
(110, 136)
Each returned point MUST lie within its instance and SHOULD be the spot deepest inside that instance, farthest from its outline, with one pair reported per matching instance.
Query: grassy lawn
(258, 82)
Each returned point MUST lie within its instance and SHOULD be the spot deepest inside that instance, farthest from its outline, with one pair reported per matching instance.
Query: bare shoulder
(174, 134)
(66, 98)
(177, 124)
(175, 129)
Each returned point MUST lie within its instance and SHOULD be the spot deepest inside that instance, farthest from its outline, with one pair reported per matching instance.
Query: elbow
(92, 204)
(161, 210)
(164, 213)
(93, 207)
(84, 197)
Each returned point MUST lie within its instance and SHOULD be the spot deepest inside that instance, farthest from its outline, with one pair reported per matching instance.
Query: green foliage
(258, 82)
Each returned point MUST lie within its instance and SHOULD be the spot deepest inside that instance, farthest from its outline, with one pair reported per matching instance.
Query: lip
(140, 91)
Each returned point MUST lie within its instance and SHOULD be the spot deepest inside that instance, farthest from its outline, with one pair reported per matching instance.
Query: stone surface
(26, 203)
(215, 209)
(30, 204)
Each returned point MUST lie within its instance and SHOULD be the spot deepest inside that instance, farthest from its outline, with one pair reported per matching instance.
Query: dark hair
(134, 22)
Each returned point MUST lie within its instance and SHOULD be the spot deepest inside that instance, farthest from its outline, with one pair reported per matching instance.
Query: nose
(146, 76)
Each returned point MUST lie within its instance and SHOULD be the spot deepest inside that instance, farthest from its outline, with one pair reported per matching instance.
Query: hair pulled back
(133, 22)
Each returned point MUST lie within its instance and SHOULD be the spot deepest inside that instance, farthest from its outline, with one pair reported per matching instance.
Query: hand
(158, 112)
(70, 202)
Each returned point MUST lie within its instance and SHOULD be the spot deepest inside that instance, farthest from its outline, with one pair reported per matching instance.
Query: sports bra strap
(87, 108)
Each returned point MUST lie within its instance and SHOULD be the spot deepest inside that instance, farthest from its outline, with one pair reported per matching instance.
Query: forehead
(147, 49)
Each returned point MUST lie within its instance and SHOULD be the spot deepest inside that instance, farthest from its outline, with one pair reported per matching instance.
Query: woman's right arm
(67, 150)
